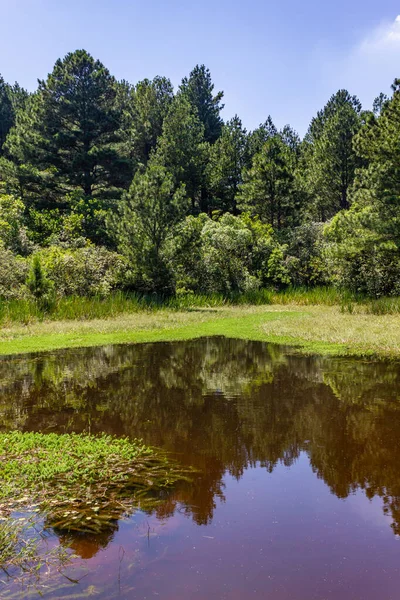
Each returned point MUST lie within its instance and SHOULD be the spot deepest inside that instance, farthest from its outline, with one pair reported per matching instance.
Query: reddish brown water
(298, 491)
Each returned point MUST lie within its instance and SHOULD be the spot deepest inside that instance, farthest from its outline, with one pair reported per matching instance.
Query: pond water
(297, 493)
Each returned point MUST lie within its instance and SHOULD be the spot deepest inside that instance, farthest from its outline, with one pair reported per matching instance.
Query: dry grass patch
(368, 333)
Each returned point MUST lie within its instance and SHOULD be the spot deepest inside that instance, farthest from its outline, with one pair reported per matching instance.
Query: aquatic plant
(25, 552)
(72, 483)
(79, 481)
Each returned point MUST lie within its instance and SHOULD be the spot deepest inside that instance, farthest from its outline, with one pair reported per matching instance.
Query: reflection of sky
(281, 535)
(371, 511)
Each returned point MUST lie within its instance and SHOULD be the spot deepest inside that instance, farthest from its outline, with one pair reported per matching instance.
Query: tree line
(105, 184)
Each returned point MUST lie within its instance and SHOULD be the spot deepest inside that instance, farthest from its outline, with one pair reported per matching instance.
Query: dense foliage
(106, 185)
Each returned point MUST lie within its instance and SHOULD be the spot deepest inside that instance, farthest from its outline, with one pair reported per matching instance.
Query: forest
(107, 185)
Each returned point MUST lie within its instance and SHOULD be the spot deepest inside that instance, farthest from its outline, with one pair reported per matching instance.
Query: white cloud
(385, 39)
(367, 68)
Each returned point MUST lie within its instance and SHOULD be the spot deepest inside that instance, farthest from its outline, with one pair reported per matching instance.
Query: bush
(277, 270)
(306, 260)
(226, 249)
(364, 258)
(373, 271)
(13, 235)
(13, 273)
(85, 271)
(225, 255)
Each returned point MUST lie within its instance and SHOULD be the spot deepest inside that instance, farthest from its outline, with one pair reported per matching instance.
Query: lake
(296, 493)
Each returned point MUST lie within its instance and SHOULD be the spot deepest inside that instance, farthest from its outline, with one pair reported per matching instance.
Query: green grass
(383, 306)
(309, 328)
(33, 458)
(320, 320)
(119, 303)
(89, 308)
(164, 325)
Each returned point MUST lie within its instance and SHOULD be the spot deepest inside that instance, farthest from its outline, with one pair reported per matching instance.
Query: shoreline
(309, 330)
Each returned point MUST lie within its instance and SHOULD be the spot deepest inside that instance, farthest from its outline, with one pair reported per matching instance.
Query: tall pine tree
(6, 112)
(199, 91)
(181, 149)
(227, 159)
(68, 135)
(328, 157)
(268, 190)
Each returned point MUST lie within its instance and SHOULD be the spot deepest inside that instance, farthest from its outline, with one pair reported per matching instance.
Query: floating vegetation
(72, 483)
(79, 481)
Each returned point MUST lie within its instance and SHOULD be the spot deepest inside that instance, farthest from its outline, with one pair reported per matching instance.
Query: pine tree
(199, 91)
(227, 159)
(68, 134)
(377, 185)
(268, 190)
(367, 237)
(328, 157)
(144, 108)
(40, 286)
(258, 137)
(144, 223)
(182, 151)
(7, 111)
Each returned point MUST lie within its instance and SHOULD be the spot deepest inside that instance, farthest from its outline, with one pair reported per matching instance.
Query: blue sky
(281, 57)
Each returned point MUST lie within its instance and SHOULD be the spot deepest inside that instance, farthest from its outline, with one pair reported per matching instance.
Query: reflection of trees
(87, 545)
(221, 405)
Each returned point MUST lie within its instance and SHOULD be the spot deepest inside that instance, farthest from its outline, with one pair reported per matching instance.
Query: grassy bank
(324, 329)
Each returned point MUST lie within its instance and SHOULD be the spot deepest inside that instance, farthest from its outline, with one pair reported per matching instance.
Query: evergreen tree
(367, 237)
(328, 157)
(379, 103)
(268, 190)
(377, 185)
(6, 112)
(67, 134)
(335, 102)
(258, 137)
(40, 285)
(182, 151)
(144, 108)
(227, 159)
(199, 90)
(145, 222)
(291, 138)
(12, 98)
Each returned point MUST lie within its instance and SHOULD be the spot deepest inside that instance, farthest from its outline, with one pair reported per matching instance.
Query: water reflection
(222, 406)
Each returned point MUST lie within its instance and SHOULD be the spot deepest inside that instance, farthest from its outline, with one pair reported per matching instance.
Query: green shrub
(278, 272)
(365, 250)
(40, 286)
(13, 273)
(89, 271)
(13, 234)
(225, 255)
(372, 269)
